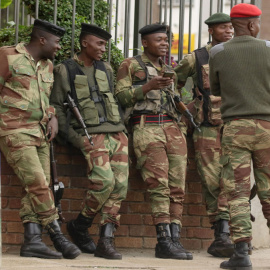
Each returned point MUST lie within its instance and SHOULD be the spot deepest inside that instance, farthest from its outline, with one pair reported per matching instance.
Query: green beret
(153, 28)
(218, 18)
(49, 27)
(95, 30)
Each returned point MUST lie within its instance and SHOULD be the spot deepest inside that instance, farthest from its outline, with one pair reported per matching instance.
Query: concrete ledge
(133, 259)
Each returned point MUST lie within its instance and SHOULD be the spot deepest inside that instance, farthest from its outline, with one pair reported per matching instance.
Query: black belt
(151, 119)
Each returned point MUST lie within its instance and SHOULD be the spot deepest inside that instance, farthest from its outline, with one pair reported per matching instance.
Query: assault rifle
(181, 107)
(57, 187)
(73, 107)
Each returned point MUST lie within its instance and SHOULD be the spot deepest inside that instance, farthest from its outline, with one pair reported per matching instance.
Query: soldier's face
(94, 46)
(50, 46)
(156, 44)
(221, 32)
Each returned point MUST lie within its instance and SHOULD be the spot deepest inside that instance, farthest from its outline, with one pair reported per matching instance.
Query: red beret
(245, 11)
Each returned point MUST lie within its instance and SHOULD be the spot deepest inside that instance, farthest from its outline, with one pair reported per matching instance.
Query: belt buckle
(160, 119)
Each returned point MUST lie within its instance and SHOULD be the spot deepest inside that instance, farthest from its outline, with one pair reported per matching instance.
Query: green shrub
(64, 19)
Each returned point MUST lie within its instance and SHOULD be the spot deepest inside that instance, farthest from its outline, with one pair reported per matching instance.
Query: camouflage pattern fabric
(243, 140)
(162, 158)
(207, 154)
(130, 72)
(207, 150)
(29, 158)
(161, 150)
(108, 176)
(24, 113)
(25, 91)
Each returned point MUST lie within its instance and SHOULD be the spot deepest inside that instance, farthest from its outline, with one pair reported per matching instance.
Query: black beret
(94, 30)
(218, 18)
(49, 27)
(153, 28)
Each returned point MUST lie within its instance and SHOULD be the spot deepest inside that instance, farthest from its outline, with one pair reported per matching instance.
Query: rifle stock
(73, 107)
(57, 187)
(181, 107)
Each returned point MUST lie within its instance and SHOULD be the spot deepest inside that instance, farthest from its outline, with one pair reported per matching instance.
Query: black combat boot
(175, 233)
(60, 242)
(222, 245)
(165, 248)
(33, 245)
(78, 230)
(240, 259)
(105, 245)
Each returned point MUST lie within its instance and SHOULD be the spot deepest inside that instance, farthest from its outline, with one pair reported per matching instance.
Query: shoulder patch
(216, 49)
(267, 42)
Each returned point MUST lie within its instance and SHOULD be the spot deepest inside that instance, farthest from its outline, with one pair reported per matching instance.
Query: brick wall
(136, 230)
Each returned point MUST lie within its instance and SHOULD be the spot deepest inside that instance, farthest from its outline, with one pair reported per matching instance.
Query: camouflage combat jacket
(130, 79)
(91, 111)
(205, 110)
(25, 88)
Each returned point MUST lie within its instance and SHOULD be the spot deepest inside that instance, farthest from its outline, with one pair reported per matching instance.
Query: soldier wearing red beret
(239, 73)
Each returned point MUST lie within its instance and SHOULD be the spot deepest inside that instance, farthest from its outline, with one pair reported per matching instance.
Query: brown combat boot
(78, 230)
(33, 245)
(175, 233)
(105, 246)
(222, 245)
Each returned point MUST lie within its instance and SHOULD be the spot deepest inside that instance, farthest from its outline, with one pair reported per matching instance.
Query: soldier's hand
(157, 82)
(52, 128)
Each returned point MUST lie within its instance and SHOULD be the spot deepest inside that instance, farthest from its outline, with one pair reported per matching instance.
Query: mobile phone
(168, 74)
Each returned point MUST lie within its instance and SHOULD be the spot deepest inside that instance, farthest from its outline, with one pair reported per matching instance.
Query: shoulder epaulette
(216, 49)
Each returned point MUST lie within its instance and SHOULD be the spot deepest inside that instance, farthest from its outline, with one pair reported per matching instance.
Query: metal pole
(14, 11)
(218, 5)
(189, 26)
(73, 28)
(92, 11)
(126, 42)
(116, 22)
(181, 30)
(160, 11)
(7, 14)
(165, 12)
(110, 26)
(170, 33)
(211, 12)
(200, 26)
(147, 11)
(0, 28)
(221, 6)
(23, 11)
(151, 11)
(55, 12)
(231, 4)
(37, 7)
(17, 7)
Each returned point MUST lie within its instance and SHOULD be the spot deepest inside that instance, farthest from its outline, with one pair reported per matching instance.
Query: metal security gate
(126, 17)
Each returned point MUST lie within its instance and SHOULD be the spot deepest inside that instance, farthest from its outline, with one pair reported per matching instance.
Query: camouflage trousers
(29, 157)
(207, 154)
(161, 153)
(245, 140)
(108, 171)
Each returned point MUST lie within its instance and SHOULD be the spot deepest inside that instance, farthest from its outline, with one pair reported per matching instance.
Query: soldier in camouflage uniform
(239, 73)
(159, 144)
(26, 78)
(206, 109)
(90, 83)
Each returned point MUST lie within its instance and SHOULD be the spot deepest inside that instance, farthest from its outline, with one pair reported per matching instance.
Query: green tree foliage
(64, 19)
(5, 3)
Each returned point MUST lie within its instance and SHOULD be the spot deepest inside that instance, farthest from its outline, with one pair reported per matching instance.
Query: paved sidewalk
(133, 259)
